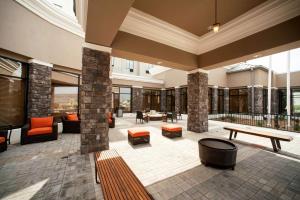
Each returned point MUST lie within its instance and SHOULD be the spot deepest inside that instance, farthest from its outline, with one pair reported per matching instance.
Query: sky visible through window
(280, 61)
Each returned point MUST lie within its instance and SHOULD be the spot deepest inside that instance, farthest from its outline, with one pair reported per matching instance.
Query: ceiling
(195, 16)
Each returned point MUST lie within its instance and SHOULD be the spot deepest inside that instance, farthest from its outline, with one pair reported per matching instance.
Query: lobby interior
(211, 63)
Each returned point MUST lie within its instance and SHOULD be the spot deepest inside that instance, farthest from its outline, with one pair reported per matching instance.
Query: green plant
(232, 119)
(259, 123)
(297, 125)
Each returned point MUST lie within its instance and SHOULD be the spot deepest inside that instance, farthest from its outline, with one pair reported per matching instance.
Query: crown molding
(198, 70)
(262, 17)
(120, 76)
(149, 27)
(53, 15)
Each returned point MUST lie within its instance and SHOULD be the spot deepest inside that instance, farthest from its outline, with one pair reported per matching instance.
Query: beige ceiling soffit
(149, 27)
(40, 62)
(135, 78)
(97, 47)
(53, 15)
(262, 17)
(135, 86)
(198, 70)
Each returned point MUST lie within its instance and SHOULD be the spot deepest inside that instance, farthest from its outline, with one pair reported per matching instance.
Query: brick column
(137, 98)
(177, 99)
(163, 98)
(258, 100)
(214, 100)
(95, 100)
(274, 100)
(39, 89)
(197, 101)
(226, 100)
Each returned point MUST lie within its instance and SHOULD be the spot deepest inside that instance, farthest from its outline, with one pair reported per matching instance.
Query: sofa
(3, 140)
(39, 129)
(111, 120)
(71, 123)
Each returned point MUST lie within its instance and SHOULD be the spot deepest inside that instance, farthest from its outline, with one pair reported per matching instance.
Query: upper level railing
(277, 121)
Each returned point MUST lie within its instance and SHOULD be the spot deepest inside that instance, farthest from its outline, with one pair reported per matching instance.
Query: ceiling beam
(104, 19)
(279, 35)
(126, 45)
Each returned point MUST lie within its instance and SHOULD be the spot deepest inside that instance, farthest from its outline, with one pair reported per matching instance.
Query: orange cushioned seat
(40, 131)
(72, 117)
(171, 128)
(2, 139)
(40, 122)
(138, 132)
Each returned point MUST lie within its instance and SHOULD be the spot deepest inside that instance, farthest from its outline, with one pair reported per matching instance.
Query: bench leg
(230, 135)
(274, 145)
(235, 134)
(278, 144)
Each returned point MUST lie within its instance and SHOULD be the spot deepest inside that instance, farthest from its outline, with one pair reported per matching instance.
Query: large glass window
(12, 92)
(209, 100)
(220, 100)
(170, 100)
(296, 101)
(282, 101)
(151, 99)
(238, 100)
(65, 99)
(183, 100)
(121, 98)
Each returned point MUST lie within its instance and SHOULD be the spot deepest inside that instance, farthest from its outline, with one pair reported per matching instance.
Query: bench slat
(260, 133)
(117, 179)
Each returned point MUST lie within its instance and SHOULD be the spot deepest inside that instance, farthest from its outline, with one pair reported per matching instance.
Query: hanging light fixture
(216, 26)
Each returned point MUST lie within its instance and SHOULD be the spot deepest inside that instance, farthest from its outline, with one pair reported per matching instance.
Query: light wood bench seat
(117, 180)
(275, 138)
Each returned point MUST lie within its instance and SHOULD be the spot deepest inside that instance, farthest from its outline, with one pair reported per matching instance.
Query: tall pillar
(226, 100)
(95, 98)
(214, 100)
(177, 99)
(288, 89)
(250, 99)
(198, 101)
(137, 98)
(258, 99)
(163, 99)
(39, 89)
(274, 101)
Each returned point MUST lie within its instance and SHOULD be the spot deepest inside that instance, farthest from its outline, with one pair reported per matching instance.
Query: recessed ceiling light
(256, 56)
(159, 62)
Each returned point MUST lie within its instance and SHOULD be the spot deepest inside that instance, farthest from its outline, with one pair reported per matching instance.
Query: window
(151, 99)
(130, 65)
(282, 101)
(296, 101)
(238, 100)
(170, 100)
(65, 99)
(121, 98)
(209, 100)
(183, 100)
(265, 101)
(13, 83)
(220, 100)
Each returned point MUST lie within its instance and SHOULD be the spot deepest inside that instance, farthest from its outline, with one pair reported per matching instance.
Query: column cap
(97, 47)
(215, 86)
(198, 70)
(163, 89)
(176, 87)
(226, 88)
(40, 62)
(136, 86)
(261, 86)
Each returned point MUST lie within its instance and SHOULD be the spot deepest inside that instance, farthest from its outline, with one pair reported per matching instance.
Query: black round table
(217, 153)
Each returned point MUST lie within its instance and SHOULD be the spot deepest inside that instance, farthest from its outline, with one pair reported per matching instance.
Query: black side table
(9, 129)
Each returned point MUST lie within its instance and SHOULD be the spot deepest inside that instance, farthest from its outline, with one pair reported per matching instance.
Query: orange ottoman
(171, 130)
(138, 136)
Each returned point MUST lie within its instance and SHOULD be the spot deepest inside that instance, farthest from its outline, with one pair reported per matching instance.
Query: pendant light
(216, 26)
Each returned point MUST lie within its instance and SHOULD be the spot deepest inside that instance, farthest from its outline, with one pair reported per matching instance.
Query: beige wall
(217, 77)
(27, 34)
(281, 79)
(173, 78)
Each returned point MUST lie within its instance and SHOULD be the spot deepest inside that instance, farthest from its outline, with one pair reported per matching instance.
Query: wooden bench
(116, 178)
(275, 138)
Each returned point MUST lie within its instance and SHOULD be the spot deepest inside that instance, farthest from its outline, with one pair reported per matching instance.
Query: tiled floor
(169, 168)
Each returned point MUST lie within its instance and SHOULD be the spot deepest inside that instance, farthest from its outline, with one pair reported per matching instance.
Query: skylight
(66, 5)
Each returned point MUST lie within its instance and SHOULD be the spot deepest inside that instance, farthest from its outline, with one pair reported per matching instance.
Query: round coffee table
(217, 153)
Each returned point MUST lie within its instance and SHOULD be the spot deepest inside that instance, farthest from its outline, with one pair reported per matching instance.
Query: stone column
(163, 98)
(137, 98)
(214, 100)
(250, 100)
(274, 101)
(226, 100)
(95, 100)
(258, 100)
(39, 89)
(198, 101)
(177, 99)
